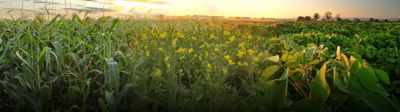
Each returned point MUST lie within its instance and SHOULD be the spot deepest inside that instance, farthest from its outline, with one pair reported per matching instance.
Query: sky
(229, 8)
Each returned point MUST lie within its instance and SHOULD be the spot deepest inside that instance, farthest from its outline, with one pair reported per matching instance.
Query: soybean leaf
(319, 87)
(378, 103)
(365, 74)
(269, 71)
(281, 93)
(383, 76)
(274, 58)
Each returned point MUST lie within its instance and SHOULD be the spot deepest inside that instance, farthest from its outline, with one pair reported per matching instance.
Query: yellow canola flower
(147, 53)
(240, 53)
(227, 57)
(163, 35)
(166, 58)
(209, 66)
(190, 50)
(231, 39)
(243, 64)
(227, 32)
(256, 59)
(251, 51)
(182, 50)
(179, 34)
(212, 36)
(145, 37)
(182, 57)
(161, 49)
(194, 38)
(242, 45)
(174, 43)
(216, 49)
(249, 37)
(231, 62)
(198, 57)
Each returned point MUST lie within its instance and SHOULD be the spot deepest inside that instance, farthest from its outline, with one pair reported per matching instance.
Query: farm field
(108, 64)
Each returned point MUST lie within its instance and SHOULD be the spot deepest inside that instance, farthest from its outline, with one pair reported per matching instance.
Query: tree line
(328, 16)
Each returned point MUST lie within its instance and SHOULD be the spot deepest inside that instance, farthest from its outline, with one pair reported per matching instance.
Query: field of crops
(105, 64)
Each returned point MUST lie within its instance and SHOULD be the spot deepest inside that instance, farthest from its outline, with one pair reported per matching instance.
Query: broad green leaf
(355, 86)
(338, 82)
(319, 87)
(281, 94)
(112, 76)
(383, 76)
(378, 103)
(269, 71)
(309, 52)
(365, 74)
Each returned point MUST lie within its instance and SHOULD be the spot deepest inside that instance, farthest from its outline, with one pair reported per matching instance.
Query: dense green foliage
(129, 65)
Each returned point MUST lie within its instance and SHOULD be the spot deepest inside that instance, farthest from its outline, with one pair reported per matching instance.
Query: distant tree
(307, 18)
(338, 18)
(376, 20)
(300, 18)
(316, 16)
(399, 20)
(371, 19)
(356, 19)
(328, 15)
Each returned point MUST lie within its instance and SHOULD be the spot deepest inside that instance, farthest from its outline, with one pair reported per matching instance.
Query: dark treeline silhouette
(372, 19)
(301, 18)
(328, 16)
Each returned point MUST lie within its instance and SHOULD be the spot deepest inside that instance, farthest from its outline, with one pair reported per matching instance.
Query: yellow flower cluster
(147, 53)
(251, 51)
(174, 43)
(167, 58)
(240, 53)
(231, 39)
(228, 58)
(163, 35)
(184, 50)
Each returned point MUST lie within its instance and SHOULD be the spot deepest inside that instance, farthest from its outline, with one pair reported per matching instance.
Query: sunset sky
(233, 8)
